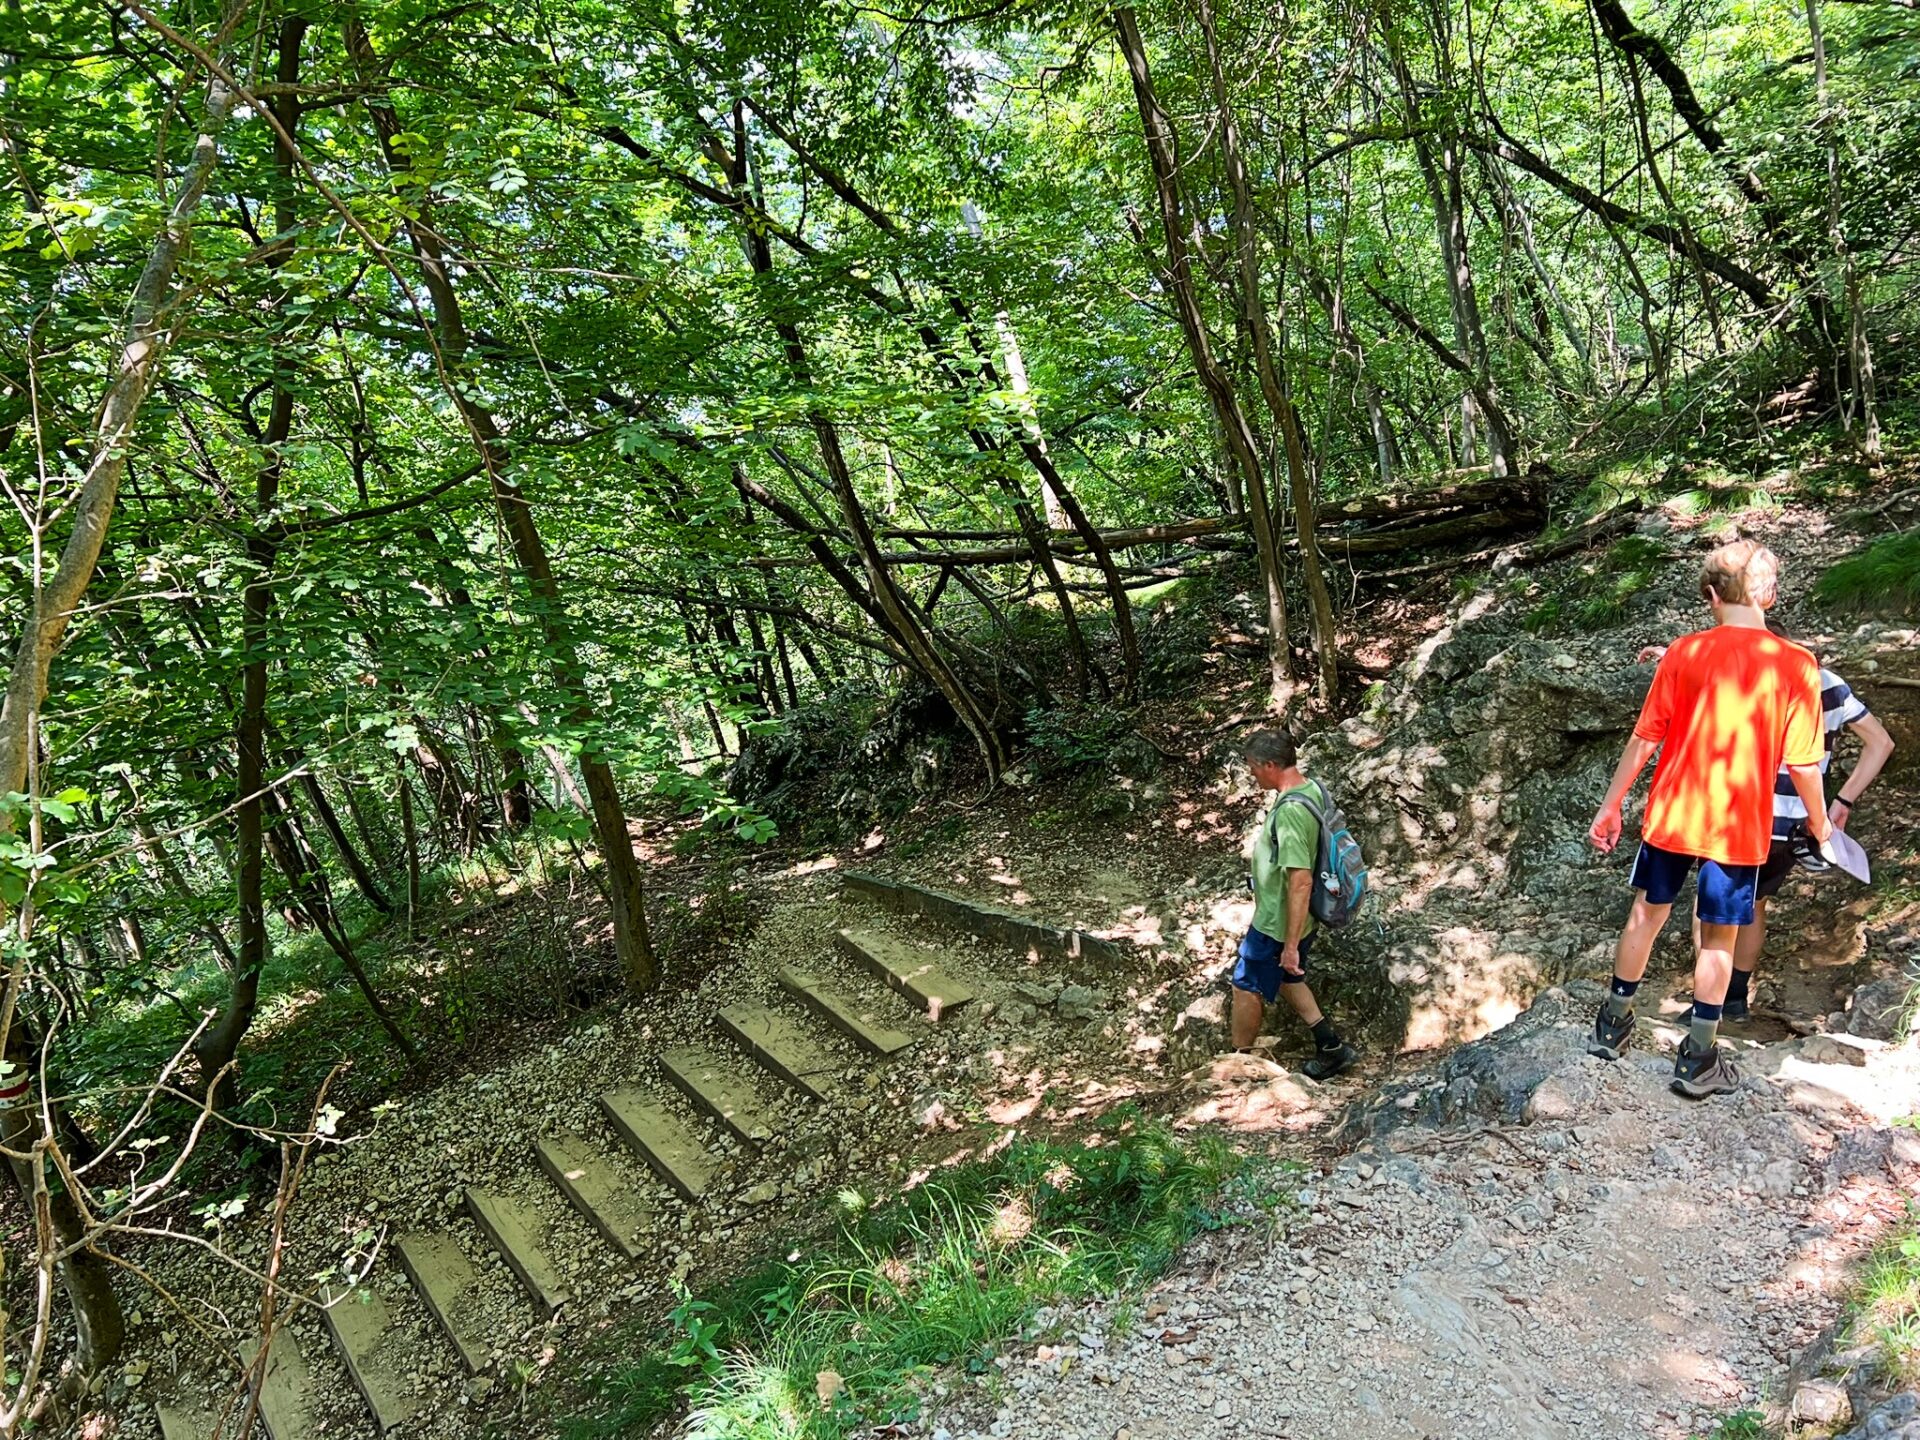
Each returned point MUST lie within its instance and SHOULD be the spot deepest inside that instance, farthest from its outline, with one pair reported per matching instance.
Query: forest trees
(548, 404)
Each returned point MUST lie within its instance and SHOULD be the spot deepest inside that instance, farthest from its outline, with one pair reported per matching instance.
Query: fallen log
(1523, 493)
(1218, 532)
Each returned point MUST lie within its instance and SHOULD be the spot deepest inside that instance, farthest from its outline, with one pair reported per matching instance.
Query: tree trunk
(219, 1043)
(1250, 294)
(631, 942)
(410, 837)
(85, 1278)
(309, 884)
(144, 341)
(363, 880)
(1441, 170)
(1859, 406)
(1163, 154)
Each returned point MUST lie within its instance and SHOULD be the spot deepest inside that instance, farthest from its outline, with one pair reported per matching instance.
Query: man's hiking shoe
(1699, 1076)
(1326, 1064)
(1611, 1034)
(1734, 1012)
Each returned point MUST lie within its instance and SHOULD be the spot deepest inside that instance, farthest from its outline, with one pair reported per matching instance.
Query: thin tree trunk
(363, 880)
(632, 944)
(410, 836)
(1251, 296)
(1441, 170)
(1859, 406)
(1163, 154)
(219, 1043)
(309, 883)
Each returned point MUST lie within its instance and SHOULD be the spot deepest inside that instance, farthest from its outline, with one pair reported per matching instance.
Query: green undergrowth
(1886, 1310)
(1882, 579)
(1598, 593)
(1741, 1425)
(845, 1336)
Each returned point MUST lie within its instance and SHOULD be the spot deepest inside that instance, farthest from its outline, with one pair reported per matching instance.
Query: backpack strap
(1294, 797)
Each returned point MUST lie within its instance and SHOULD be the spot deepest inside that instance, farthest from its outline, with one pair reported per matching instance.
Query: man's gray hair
(1270, 747)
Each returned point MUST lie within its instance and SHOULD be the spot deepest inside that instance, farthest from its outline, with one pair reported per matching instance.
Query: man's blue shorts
(1259, 969)
(1723, 895)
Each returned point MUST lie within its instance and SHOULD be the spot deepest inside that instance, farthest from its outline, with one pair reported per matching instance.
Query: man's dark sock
(1737, 987)
(1325, 1037)
(1620, 997)
(1706, 1026)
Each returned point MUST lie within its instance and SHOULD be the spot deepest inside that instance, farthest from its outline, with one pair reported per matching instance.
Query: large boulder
(1534, 1068)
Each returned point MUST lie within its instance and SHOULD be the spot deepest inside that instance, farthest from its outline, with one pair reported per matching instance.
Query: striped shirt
(1839, 708)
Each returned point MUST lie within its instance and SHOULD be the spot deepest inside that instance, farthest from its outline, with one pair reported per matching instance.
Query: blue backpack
(1339, 871)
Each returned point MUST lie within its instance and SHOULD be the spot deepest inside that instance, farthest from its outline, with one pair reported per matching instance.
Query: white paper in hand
(1843, 851)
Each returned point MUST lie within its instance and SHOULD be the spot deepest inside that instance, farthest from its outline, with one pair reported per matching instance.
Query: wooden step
(597, 1190)
(449, 1288)
(852, 1018)
(514, 1228)
(722, 1091)
(1034, 938)
(286, 1389)
(662, 1139)
(784, 1048)
(377, 1356)
(911, 970)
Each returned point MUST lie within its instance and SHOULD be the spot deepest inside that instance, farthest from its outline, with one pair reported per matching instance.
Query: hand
(1823, 834)
(1604, 833)
(1290, 958)
(1839, 812)
(1649, 653)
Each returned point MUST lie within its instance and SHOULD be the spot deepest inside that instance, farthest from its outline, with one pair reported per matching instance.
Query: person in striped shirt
(1840, 710)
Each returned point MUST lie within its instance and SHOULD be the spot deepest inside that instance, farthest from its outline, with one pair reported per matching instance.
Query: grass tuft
(845, 1338)
(1887, 1308)
(1883, 579)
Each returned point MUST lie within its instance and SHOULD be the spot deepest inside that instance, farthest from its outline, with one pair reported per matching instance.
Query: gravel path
(1625, 1264)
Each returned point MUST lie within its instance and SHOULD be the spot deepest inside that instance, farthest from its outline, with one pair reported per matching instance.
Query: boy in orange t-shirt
(1729, 706)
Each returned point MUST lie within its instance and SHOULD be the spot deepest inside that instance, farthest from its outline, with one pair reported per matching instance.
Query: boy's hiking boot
(1698, 1076)
(1611, 1034)
(1326, 1064)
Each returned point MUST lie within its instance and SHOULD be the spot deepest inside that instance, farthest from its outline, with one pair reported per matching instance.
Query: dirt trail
(1504, 1238)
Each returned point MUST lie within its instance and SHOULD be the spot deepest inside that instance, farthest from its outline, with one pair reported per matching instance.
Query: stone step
(661, 1138)
(597, 1190)
(784, 1048)
(851, 1017)
(449, 1288)
(912, 970)
(185, 1420)
(722, 1091)
(375, 1353)
(1032, 937)
(515, 1229)
(286, 1389)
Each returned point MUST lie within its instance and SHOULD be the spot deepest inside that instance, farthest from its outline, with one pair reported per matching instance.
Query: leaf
(829, 1387)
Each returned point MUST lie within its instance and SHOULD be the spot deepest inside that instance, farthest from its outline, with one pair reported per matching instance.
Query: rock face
(1884, 1009)
(1895, 1419)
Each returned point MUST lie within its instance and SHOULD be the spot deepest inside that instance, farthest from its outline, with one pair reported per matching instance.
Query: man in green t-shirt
(1273, 956)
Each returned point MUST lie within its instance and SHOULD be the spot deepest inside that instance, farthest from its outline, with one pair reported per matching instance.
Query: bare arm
(1299, 893)
(1607, 821)
(1813, 794)
(1876, 748)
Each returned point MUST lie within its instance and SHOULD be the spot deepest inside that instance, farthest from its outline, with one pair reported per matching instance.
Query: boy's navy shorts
(1723, 895)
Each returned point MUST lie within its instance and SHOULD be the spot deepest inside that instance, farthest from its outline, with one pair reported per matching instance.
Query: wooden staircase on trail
(758, 1063)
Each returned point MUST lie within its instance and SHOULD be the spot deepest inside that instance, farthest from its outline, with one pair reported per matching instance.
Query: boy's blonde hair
(1743, 573)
